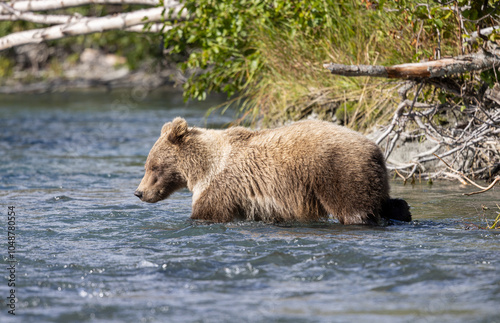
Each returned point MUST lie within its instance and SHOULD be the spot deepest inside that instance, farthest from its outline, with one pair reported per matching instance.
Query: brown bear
(301, 172)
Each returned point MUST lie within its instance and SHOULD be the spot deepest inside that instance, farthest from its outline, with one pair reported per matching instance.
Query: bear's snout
(138, 194)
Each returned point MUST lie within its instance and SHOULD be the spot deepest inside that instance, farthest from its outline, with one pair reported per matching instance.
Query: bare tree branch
(83, 26)
(40, 19)
(484, 32)
(153, 28)
(87, 25)
(482, 188)
(43, 5)
(439, 68)
(497, 179)
(470, 138)
(357, 70)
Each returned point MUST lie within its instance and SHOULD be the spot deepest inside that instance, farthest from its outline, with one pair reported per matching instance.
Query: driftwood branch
(40, 19)
(470, 139)
(497, 179)
(73, 25)
(153, 28)
(438, 68)
(82, 27)
(482, 188)
(44, 5)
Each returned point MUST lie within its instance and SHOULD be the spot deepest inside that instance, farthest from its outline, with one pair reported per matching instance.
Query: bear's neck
(206, 157)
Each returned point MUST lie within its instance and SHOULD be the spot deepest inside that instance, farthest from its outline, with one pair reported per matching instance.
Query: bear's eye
(155, 168)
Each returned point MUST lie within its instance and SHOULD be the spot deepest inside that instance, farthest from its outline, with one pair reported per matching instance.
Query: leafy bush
(270, 53)
(226, 36)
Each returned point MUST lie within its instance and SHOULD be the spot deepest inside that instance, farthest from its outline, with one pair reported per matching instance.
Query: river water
(88, 250)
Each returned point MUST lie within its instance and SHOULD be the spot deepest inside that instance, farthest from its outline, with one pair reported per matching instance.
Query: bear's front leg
(214, 208)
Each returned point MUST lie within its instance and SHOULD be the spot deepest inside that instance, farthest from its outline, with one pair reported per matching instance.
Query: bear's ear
(165, 127)
(178, 132)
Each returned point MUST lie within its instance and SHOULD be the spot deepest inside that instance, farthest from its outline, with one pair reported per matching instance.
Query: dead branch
(484, 32)
(459, 173)
(397, 115)
(72, 25)
(44, 5)
(462, 175)
(40, 19)
(439, 68)
(402, 177)
(497, 179)
(357, 70)
(474, 140)
(153, 28)
(84, 26)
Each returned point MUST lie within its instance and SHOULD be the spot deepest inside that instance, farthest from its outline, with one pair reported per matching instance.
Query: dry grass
(294, 85)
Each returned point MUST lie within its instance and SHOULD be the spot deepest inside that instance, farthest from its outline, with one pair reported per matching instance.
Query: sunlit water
(89, 250)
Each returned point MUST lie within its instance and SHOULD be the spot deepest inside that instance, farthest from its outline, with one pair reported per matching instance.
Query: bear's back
(305, 140)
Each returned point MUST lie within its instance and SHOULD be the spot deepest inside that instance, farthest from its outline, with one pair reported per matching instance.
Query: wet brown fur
(301, 172)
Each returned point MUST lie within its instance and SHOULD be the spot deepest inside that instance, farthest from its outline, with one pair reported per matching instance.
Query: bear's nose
(138, 194)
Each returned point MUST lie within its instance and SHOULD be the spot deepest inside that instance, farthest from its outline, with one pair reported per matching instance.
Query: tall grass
(294, 84)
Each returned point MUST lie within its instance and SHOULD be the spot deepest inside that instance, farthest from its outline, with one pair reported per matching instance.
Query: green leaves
(270, 52)
(222, 38)
(489, 77)
(438, 23)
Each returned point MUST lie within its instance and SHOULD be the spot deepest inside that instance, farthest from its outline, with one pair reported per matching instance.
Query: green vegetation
(6, 66)
(486, 219)
(496, 223)
(268, 56)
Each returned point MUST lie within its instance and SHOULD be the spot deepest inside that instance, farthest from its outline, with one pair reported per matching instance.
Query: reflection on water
(89, 250)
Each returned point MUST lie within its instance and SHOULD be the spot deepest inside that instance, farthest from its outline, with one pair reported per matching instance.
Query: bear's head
(163, 175)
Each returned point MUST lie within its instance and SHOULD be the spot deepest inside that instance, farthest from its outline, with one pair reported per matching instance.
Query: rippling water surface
(88, 250)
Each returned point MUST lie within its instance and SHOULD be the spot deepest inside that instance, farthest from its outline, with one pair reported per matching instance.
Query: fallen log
(439, 68)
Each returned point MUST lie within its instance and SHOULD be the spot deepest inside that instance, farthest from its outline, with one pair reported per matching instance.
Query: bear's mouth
(151, 197)
(159, 192)
(143, 196)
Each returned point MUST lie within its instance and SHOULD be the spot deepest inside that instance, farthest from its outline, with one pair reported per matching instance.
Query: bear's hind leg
(345, 210)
